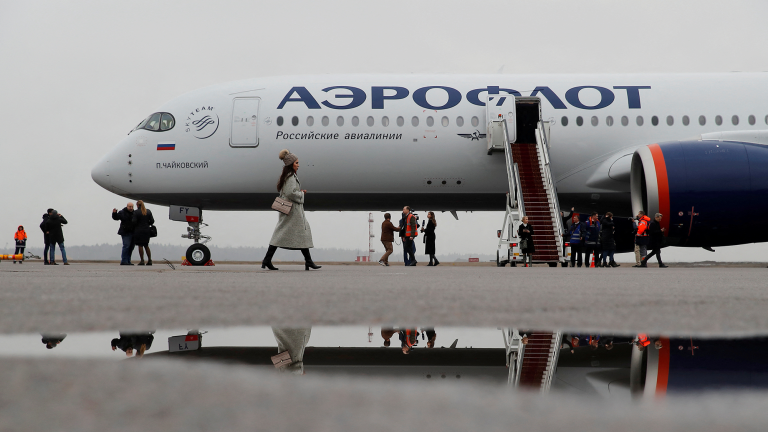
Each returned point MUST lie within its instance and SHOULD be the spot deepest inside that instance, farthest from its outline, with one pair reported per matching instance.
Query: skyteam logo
(202, 122)
(474, 136)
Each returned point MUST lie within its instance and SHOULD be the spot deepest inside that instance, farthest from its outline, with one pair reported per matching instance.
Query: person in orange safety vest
(21, 242)
(642, 239)
(411, 231)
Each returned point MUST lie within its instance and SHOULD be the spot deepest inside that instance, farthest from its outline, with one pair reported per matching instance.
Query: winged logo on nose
(474, 136)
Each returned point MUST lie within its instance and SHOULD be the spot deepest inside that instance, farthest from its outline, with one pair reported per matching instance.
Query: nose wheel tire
(198, 255)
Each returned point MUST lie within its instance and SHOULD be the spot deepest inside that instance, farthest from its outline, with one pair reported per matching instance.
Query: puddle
(610, 365)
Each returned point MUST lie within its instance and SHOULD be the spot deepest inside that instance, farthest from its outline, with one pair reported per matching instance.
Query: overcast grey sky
(77, 76)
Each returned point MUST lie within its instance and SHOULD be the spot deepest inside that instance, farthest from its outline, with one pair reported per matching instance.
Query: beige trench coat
(292, 230)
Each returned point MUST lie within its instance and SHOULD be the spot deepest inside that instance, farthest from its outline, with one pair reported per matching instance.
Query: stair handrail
(518, 191)
(511, 178)
(541, 144)
(557, 341)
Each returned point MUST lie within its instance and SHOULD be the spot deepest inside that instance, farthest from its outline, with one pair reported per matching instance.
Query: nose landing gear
(198, 254)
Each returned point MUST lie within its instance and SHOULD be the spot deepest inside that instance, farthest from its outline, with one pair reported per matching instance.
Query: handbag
(282, 205)
(524, 243)
(282, 360)
(152, 231)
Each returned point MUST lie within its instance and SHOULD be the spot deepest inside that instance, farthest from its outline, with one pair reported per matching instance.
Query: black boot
(614, 264)
(437, 262)
(267, 262)
(308, 264)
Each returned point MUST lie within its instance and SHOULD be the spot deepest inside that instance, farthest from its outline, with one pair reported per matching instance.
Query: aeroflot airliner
(696, 144)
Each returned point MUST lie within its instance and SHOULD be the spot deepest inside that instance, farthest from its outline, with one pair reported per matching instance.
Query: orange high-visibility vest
(643, 340)
(408, 232)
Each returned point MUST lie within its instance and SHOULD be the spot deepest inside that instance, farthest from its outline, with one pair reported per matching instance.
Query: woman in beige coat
(292, 230)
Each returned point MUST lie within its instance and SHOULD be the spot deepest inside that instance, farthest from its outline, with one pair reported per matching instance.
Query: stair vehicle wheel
(565, 264)
(198, 254)
(513, 264)
(552, 264)
(499, 263)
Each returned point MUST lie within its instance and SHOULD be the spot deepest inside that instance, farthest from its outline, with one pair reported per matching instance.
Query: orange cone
(593, 261)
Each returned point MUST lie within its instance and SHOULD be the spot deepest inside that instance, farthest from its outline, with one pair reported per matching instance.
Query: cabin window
(369, 121)
(295, 121)
(564, 121)
(444, 121)
(702, 120)
(339, 121)
(579, 121)
(639, 120)
(718, 120)
(385, 121)
(751, 119)
(325, 121)
(609, 121)
(624, 120)
(430, 121)
(686, 120)
(594, 121)
(476, 121)
(400, 121)
(280, 120)
(766, 119)
(670, 120)
(166, 122)
(459, 121)
(355, 121)
(415, 121)
(735, 120)
(310, 121)
(655, 121)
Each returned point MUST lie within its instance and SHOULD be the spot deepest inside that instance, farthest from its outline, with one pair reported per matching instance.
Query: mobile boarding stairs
(515, 127)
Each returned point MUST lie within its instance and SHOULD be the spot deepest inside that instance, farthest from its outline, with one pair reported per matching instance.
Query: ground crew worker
(21, 242)
(592, 241)
(577, 235)
(411, 231)
(641, 239)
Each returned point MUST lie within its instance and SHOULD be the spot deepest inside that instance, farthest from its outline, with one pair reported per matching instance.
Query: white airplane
(691, 146)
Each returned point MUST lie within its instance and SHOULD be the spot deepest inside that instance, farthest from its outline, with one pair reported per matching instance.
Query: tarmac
(168, 394)
(96, 297)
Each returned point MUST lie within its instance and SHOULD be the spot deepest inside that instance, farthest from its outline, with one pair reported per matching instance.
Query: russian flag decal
(166, 147)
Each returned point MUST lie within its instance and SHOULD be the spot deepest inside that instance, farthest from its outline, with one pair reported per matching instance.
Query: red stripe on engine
(663, 185)
(663, 375)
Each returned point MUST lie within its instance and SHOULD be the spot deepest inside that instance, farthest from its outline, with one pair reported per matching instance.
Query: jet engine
(711, 192)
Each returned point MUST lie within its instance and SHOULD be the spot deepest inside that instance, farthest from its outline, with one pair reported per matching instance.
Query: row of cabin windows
(370, 121)
(445, 121)
(655, 120)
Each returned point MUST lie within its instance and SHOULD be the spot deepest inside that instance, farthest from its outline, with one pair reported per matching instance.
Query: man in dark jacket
(408, 232)
(657, 240)
(56, 235)
(388, 231)
(592, 240)
(403, 240)
(46, 238)
(125, 217)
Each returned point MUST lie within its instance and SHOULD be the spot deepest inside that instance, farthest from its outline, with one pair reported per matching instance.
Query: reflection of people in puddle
(408, 340)
(134, 342)
(293, 340)
(51, 341)
(431, 336)
(386, 334)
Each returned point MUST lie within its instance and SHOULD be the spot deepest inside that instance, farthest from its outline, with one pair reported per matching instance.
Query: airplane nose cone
(100, 174)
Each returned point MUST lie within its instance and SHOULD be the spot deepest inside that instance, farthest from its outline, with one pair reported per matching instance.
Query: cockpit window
(166, 122)
(157, 122)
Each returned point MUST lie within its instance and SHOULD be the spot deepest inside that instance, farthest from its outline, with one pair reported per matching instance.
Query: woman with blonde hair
(292, 231)
(142, 222)
(429, 239)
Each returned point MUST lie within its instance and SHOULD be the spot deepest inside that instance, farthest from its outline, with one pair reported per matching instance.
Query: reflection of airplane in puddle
(617, 366)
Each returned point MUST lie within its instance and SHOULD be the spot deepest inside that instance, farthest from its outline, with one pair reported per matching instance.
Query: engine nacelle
(711, 193)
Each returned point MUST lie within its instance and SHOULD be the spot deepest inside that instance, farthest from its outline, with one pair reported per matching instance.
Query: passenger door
(245, 122)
